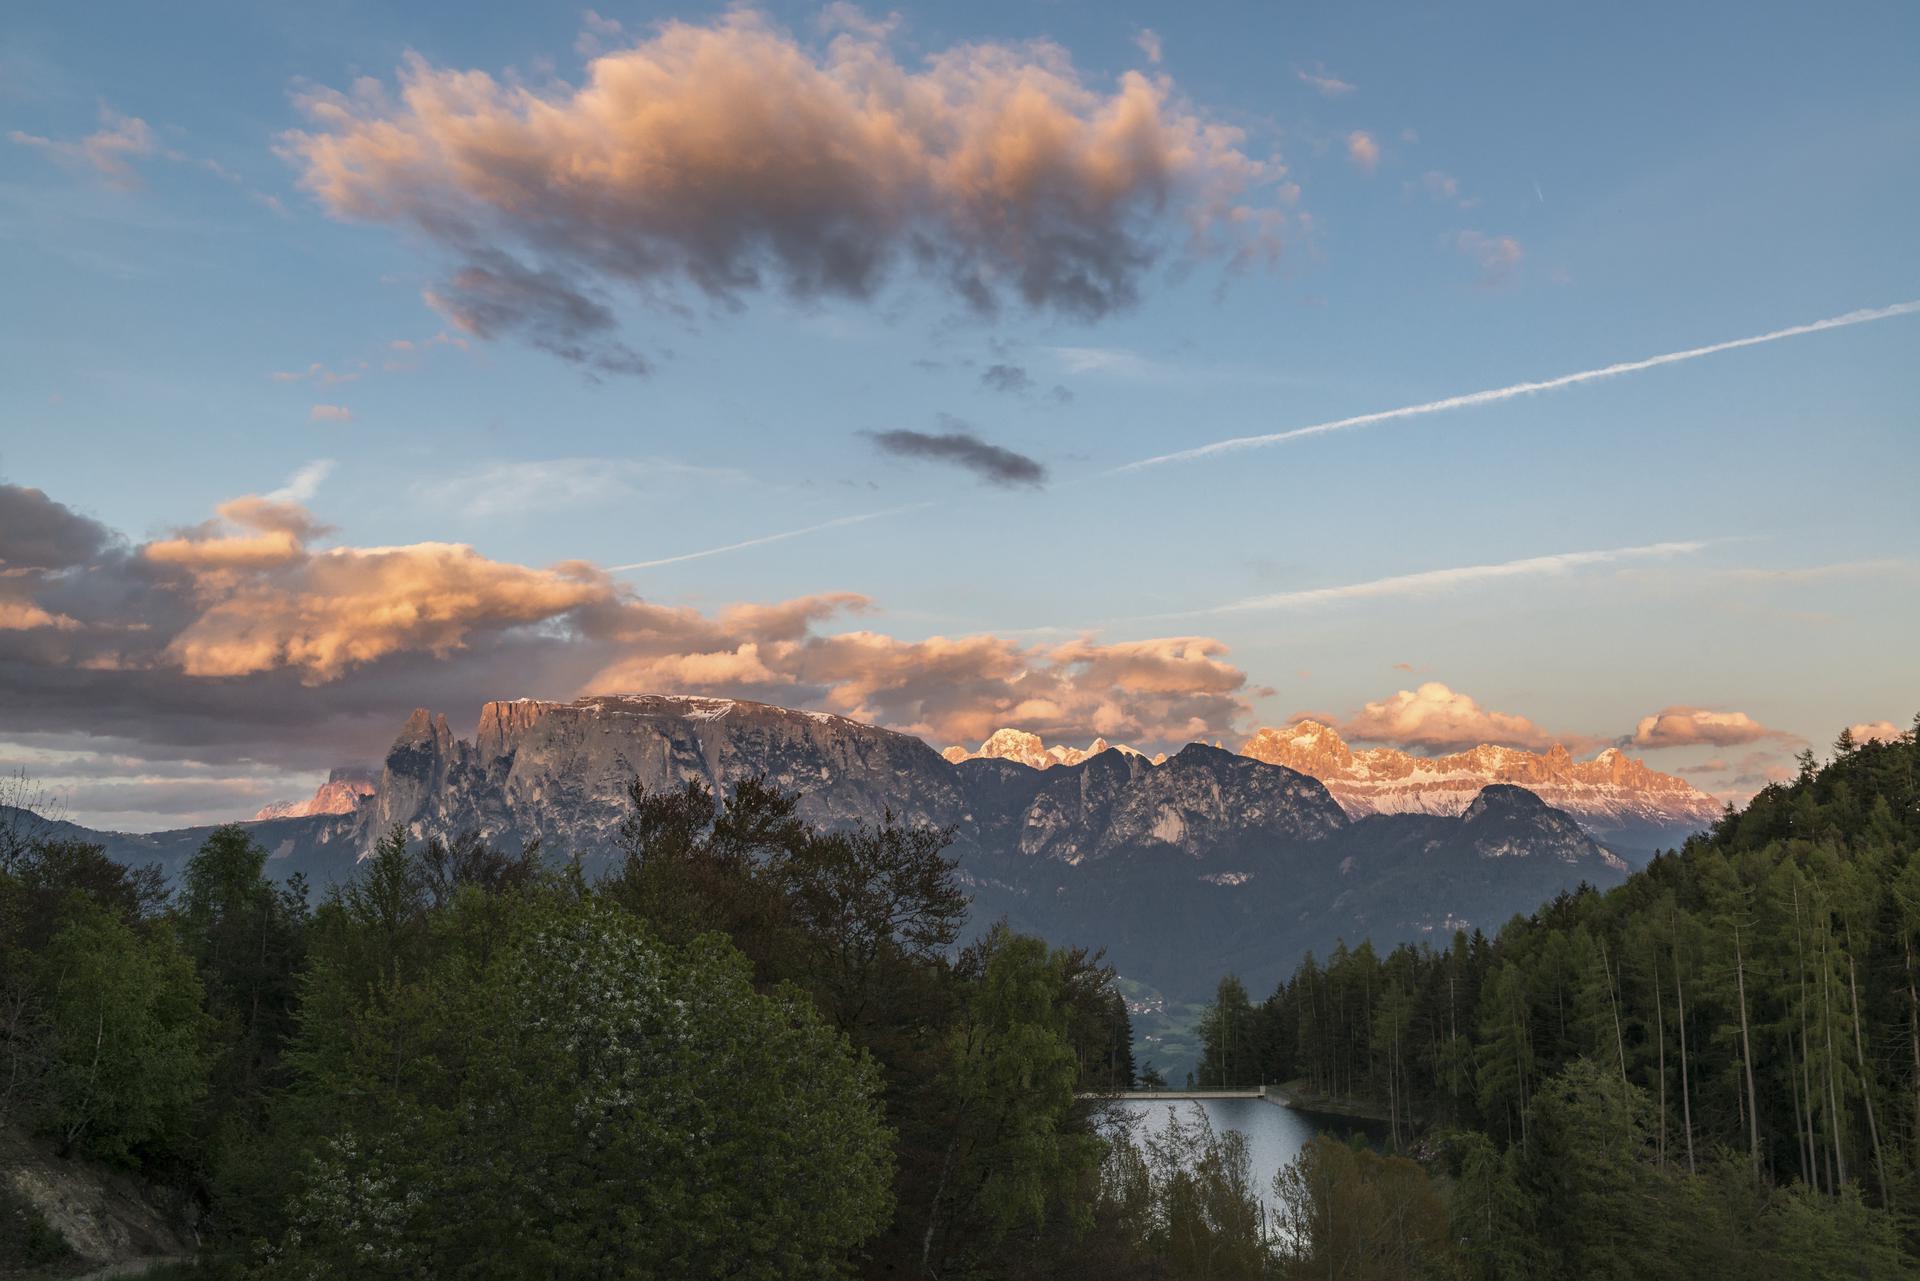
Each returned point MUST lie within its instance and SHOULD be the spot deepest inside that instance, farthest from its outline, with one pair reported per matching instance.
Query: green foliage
(1186, 1202)
(1014, 1158)
(1730, 1040)
(1228, 1036)
(1349, 1212)
(126, 1057)
(585, 1099)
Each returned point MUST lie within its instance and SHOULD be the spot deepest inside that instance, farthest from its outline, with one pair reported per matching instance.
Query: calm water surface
(1275, 1134)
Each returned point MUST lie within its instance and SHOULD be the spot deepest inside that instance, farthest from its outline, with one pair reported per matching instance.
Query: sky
(1502, 373)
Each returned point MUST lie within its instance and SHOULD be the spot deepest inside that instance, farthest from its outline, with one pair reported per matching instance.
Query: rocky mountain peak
(1613, 795)
(1032, 751)
(345, 788)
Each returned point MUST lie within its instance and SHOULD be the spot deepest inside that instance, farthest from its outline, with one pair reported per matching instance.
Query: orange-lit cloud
(1436, 718)
(1697, 726)
(1867, 731)
(254, 597)
(730, 157)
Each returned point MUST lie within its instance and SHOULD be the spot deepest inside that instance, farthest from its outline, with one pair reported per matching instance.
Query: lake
(1275, 1134)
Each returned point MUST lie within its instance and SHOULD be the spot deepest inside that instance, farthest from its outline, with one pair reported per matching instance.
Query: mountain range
(1182, 867)
(1632, 808)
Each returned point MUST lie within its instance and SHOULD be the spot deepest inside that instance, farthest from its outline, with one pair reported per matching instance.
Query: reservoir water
(1274, 1134)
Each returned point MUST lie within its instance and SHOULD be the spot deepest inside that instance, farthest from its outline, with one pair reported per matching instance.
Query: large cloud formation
(730, 158)
(1435, 718)
(246, 640)
(1698, 726)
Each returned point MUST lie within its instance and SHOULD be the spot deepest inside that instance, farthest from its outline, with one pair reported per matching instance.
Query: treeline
(750, 1049)
(1721, 1055)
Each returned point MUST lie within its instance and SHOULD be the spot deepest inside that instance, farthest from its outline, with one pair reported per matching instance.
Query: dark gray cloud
(1012, 379)
(37, 533)
(959, 447)
(494, 295)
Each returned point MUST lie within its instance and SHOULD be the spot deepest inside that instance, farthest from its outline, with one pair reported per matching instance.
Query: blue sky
(1536, 193)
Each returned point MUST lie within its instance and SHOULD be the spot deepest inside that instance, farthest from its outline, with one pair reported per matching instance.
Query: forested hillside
(752, 1049)
(1713, 1066)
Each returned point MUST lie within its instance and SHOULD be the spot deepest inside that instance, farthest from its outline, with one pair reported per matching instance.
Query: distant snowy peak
(1029, 749)
(342, 793)
(1612, 792)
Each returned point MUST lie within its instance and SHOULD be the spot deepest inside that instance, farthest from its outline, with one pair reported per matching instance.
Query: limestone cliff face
(342, 793)
(559, 772)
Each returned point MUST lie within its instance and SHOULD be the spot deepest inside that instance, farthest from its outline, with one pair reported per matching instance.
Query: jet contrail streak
(763, 540)
(1519, 389)
(1430, 581)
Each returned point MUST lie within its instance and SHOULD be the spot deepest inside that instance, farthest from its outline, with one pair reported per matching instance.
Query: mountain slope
(1180, 869)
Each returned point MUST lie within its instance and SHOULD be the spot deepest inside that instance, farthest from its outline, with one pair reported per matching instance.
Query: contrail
(1519, 389)
(1433, 580)
(764, 539)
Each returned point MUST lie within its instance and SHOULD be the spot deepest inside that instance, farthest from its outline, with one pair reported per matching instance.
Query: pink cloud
(729, 157)
(1868, 731)
(1436, 718)
(1695, 726)
(330, 414)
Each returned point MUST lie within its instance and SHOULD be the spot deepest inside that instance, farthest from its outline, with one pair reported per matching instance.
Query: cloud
(1883, 731)
(1439, 581)
(1007, 378)
(330, 414)
(557, 484)
(1363, 151)
(494, 295)
(249, 645)
(1496, 394)
(1325, 84)
(1696, 727)
(1437, 719)
(1440, 187)
(963, 688)
(37, 533)
(1498, 257)
(304, 483)
(961, 448)
(109, 151)
(1149, 42)
(729, 158)
(316, 372)
(595, 33)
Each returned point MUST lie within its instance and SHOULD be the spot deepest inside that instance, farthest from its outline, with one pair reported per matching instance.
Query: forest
(758, 1049)
(1713, 1069)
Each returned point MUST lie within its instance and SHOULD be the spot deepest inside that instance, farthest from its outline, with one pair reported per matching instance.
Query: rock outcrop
(1615, 797)
(345, 788)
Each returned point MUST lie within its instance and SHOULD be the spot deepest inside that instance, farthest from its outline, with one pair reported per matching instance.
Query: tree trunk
(1866, 1081)
(1686, 1096)
(1660, 1021)
(1833, 1096)
(1746, 1054)
(1619, 1041)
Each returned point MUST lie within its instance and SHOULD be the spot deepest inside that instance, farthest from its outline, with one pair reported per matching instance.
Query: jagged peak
(1026, 748)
